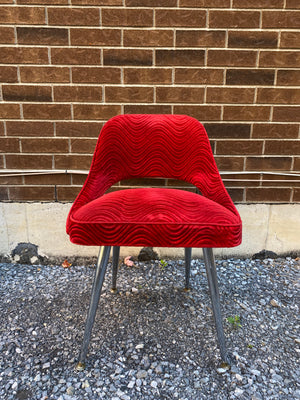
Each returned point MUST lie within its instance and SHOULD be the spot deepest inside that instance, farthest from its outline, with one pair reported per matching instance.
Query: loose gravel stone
(152, 339)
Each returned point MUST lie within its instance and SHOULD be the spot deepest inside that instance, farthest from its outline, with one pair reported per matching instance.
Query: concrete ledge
(274, 227)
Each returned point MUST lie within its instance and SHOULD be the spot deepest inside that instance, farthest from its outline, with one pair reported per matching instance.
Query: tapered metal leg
(188, 257)
(215, 299)
(96, 291)
(115, 264)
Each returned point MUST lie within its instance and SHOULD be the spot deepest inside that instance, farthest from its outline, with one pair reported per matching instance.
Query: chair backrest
(165, 146)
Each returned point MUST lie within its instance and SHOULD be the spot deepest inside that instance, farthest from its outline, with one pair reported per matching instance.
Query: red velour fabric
(164, 146)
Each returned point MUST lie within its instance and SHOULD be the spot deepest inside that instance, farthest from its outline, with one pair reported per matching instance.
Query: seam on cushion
(155, 223)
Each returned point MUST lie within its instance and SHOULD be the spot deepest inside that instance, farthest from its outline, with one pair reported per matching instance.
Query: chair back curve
(148, 145)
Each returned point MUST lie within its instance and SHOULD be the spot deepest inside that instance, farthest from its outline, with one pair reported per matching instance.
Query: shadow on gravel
(151, 340)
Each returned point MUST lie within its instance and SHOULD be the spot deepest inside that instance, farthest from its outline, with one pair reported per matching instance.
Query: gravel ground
(152, 340)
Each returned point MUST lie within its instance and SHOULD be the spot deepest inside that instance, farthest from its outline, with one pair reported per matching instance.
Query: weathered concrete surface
(265, 226)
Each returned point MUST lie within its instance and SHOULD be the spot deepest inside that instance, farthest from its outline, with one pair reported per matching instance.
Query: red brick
(127, 17)
(147, 109)
(290, 40)
(180, 57)
(239, 147)
(8, 74)
(251, 77)
(55, 179)
(10, 111)
(73, 16)
(4, 193)
(280, 59)
(53, 145)
(297, 164)
(278, 96)
(282, 131)
(234, 19)
(151, 3)
(199, 38)
(1, 128)
(7, 35)
(199, 76)
(41, 36)
(47, 111)
(229, 95)
(78, 179)
(148, 38)
(81, 162)
(79, 129)
(180, 18)
(150, 76)
(76, 56)
(26, 93)
(98, 2)
(11, 180)
(232, 58)
(95, 112)
(27, 161)
(150, 182)
(32, 193)
(45, 74)
(246, 113)
(9, 145)
(268, 163)
(1, 161)
(288, 114)
(68, 193)
(129, 94)
(29, 128)
(204, 3)
(85, 146)
(179, 95)
(296, 195)
(22, 15)
(288, 147)
(78, 93)
(23, 55)
(237, 195)
(202, 113)
(230, 163)
(127, 57)
(281, 19)
(268, 195)
(45, 2)
(258, 3)
(229, 131)
(292, 4)
(95, 37)
(241, 39)
(96, 75)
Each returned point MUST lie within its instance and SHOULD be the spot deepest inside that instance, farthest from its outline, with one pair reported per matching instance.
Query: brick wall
(66, 66)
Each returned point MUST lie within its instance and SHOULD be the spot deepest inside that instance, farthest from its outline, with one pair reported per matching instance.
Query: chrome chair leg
(115, 264)
(188, 257)
(96, 291)
(215, 299)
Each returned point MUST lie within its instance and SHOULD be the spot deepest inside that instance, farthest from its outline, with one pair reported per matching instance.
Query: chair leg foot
(188, 257)
(215, 299)
(115, 264)
(96, 291)
(80, 366)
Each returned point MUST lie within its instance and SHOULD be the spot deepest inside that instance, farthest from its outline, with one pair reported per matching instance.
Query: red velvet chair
(165, 146)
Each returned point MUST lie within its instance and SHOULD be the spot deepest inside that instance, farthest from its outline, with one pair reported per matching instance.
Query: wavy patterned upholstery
(165, 146)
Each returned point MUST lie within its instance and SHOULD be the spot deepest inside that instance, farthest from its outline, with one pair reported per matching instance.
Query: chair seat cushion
(155, 217)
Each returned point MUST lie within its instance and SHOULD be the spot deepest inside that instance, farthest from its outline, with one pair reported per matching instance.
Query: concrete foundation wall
(274, 227)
